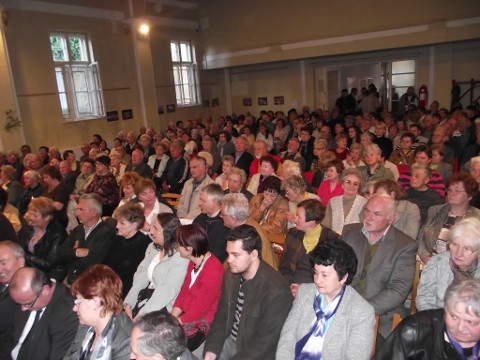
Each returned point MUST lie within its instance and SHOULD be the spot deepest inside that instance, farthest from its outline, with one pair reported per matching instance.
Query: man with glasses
(11, 259)
(44, 325)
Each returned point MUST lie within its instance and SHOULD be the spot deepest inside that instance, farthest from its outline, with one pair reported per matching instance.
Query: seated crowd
(247, 238)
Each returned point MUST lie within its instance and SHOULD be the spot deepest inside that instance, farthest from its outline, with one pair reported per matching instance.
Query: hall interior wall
(244, 49)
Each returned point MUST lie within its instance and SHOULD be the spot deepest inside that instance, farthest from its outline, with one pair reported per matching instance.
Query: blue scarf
(311, 345)
(458, 348)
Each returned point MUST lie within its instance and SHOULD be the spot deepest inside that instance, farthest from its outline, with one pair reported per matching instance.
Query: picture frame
(112, 115)
(127, 114)
(278, 100)
(263, 101)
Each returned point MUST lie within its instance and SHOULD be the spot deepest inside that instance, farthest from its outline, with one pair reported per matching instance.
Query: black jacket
(98, 243)
(295, 264)
(45, 254)
(7, 310)
(55, 330)
(217, 234)
(420, 337)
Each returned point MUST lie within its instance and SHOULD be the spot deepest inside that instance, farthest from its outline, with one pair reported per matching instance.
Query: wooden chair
(377, 324)
(416, 280)
(397, 319)
(172, 199)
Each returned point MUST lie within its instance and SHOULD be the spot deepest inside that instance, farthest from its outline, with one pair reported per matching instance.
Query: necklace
(196, 268)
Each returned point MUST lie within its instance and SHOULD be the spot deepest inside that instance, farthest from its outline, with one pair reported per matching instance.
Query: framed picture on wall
(278, 100)
(161, 110)
(127, 114)
(215, 102)
(170, 108)
(206, 103)
(262, 101)
(112, 115)
(247, 101)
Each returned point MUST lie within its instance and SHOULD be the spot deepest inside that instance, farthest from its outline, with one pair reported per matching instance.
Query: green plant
(11, 120)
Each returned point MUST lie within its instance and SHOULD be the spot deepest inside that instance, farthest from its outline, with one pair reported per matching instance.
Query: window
(403, 76)
(77, 76)
(185, 73)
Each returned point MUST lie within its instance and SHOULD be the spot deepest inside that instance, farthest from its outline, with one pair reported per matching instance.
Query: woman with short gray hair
(459, 262)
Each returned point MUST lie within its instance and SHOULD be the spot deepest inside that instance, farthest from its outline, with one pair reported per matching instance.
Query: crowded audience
(271, 198)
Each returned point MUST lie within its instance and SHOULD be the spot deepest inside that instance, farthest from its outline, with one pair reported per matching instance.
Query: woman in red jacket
(197, 302)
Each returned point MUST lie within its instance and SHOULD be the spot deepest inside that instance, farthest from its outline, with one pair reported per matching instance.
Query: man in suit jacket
(88, 243)
(11, 259)
(69, 177)
(386, 259)
(139, 165)
(243, 159)
(44, 324)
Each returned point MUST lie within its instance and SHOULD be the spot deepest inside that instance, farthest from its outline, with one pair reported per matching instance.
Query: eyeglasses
(30, 305)
(466, 250)
(78, 301)
(350, 182)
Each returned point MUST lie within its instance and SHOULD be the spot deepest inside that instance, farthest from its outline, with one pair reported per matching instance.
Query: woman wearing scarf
(458, 263)
(104, 332)
(329, 319)
(301, 240)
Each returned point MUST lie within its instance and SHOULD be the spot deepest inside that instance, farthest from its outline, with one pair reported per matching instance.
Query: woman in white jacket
(160, 275)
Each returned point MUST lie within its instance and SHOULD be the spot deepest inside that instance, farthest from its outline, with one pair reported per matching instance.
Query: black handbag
(143, 296)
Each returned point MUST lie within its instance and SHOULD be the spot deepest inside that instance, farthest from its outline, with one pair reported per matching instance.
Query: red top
(201, 300)
(325, 194)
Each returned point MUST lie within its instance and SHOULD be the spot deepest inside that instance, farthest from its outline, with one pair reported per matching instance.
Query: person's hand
(349, 159)
(146, 227)
(426, 259)
(165, 187)
(81, 252)
(210, 356)
(290, 217)
(128, 311)
(294, 289)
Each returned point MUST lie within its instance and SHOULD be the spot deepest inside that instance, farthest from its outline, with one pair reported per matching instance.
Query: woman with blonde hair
(295, 192)
(43, 238)
(228, 162)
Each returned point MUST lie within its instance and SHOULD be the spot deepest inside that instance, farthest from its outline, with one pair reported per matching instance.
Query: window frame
(185, 74)
(67, 79)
